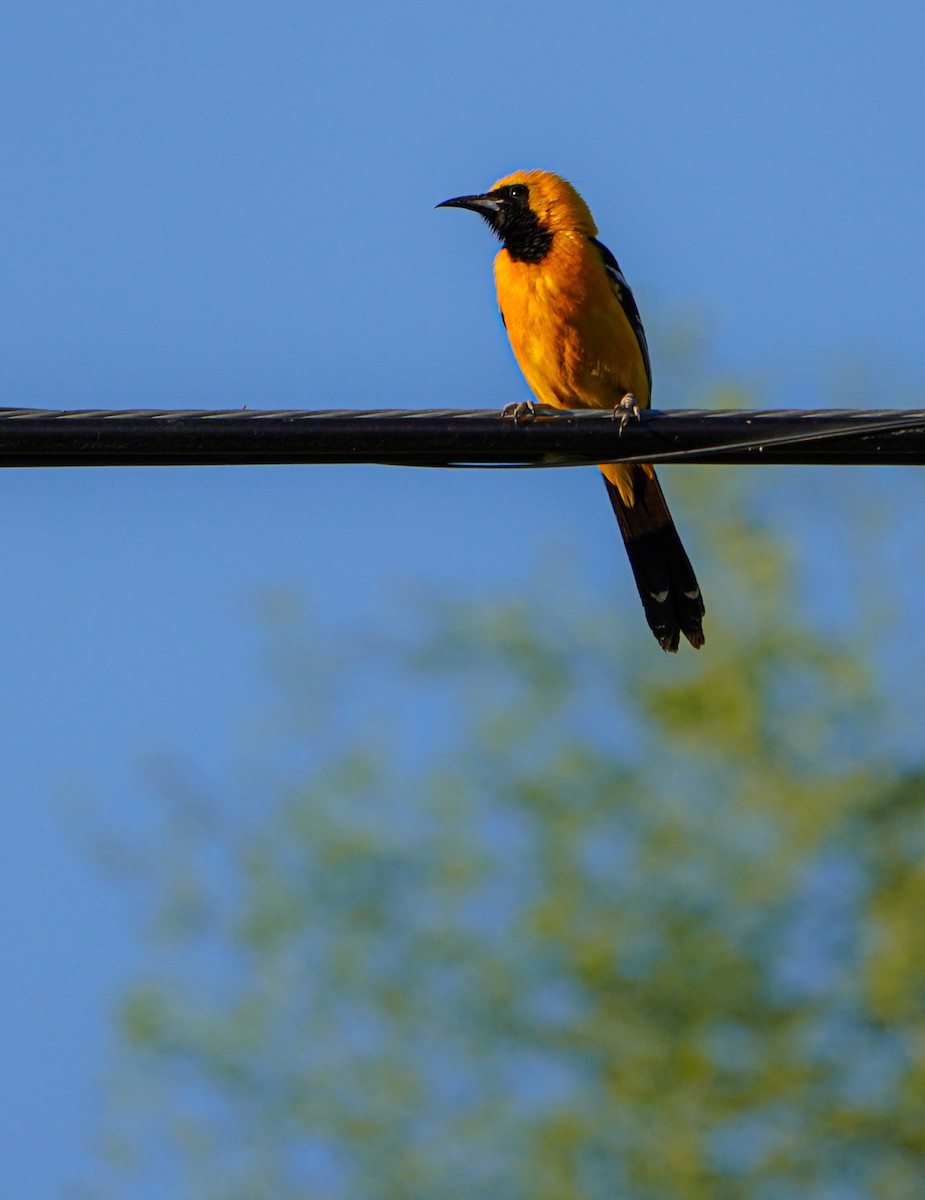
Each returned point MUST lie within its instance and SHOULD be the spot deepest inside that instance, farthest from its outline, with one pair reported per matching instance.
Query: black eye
(517, 191)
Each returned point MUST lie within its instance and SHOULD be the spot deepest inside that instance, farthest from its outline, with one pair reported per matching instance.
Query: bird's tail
(664, 576)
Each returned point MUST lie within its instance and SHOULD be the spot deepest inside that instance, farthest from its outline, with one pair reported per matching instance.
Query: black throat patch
(517, 225)
(524, 239)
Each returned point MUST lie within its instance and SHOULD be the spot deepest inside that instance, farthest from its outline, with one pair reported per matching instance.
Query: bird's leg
(627, 408)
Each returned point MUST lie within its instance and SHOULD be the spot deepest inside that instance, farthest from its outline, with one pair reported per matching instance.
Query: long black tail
(664, 576)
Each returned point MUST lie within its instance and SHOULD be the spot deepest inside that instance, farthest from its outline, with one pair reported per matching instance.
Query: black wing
(627, 302)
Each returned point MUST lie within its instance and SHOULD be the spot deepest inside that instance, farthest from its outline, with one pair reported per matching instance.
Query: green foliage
(635, 927)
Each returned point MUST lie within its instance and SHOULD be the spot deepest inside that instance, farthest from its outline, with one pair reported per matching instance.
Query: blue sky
(213, 205)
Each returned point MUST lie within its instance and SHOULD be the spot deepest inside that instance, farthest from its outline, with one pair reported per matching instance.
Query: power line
(455, 438)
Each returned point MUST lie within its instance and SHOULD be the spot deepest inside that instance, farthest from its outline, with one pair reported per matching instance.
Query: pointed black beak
(485, 206)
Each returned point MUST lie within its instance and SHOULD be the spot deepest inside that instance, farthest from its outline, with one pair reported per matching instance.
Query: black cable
(455, 438)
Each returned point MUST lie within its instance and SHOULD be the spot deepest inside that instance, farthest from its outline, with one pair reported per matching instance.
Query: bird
(576, 333)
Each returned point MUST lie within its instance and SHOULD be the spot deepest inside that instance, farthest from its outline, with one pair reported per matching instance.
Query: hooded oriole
(576, 333)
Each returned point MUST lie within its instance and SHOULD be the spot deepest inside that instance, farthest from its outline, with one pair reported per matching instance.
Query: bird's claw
(627, 409)
(519, 410)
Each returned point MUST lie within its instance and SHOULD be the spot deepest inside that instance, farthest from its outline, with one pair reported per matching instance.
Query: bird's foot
(522, 410)
(627, 409)
(529, 410)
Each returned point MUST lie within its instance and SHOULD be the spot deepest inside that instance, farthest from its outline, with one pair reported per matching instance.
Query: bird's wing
(621, 290)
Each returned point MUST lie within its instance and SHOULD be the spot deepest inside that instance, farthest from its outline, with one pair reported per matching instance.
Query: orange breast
(567, 328)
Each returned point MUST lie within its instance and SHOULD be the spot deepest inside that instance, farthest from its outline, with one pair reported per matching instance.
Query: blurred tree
(586, 923)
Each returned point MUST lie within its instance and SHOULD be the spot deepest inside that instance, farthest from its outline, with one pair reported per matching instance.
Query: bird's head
(526, 209)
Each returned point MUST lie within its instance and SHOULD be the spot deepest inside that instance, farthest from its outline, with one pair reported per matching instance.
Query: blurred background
(357, 837)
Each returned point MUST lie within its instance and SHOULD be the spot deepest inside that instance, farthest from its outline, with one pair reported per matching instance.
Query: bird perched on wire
(576, 333)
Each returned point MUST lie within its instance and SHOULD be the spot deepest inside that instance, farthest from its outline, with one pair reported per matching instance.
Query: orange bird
(576, 333)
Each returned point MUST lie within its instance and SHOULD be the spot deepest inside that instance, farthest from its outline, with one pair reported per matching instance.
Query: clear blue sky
(220, 204)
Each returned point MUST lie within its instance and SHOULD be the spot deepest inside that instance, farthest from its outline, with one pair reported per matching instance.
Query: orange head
(527, 208)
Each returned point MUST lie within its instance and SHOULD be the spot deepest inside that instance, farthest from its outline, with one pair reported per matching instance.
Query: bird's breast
(567, 329)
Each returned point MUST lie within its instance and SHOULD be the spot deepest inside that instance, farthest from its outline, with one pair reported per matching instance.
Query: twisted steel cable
(455, 438)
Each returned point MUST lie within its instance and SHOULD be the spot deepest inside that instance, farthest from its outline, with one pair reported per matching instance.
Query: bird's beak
(484, 205)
